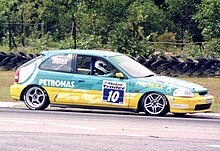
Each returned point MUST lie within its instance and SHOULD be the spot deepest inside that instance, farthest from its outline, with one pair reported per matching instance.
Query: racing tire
(16, 59)
(36, 98)
(199, 71)
(21, 54)
(2, 56)
(155, 104)
(201, 60)
(141, 59)
(8, 58)
(157, 63)
(179, 66)
(173, 58)
(152, 58)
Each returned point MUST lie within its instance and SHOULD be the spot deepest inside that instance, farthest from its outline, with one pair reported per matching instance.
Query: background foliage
(127, 26)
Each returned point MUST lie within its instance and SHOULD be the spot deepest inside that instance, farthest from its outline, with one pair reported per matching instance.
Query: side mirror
(119, 75)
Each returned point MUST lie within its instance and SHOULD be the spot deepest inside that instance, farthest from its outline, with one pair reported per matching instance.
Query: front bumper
(16, 90)
(190, 105)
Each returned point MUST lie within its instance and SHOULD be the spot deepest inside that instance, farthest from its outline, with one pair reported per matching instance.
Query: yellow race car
(103, 80)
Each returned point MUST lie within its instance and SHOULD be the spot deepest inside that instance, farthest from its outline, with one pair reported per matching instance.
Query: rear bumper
(16, 90)
(190, 105)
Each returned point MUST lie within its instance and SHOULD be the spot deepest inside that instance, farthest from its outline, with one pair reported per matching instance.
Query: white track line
(10, 104)
(214, 146)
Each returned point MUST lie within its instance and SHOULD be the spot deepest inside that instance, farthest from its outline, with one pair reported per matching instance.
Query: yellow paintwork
(94, 98)
(190, 102)
(88, 97)
(15, 91)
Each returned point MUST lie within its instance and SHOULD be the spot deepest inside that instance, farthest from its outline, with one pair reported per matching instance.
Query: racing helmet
(101, 67)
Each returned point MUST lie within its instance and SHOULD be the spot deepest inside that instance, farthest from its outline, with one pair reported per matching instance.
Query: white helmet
(100, 67)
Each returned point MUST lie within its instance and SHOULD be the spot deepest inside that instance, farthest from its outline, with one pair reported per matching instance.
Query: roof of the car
(99, 53)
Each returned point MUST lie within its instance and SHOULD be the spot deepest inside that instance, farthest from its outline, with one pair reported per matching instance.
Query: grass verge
(6, 80)
(212, 84)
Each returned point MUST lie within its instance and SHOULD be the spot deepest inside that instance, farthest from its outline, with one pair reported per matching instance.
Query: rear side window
(31, 61)
(59, 63)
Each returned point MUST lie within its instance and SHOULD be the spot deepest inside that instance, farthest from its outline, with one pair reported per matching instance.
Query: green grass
(213, 84)
(6, 79)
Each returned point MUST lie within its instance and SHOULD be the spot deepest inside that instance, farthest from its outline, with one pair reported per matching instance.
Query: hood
(175, 83)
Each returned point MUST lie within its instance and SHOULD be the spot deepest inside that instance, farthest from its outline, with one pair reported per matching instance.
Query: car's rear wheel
(155, 104)
(35, 98)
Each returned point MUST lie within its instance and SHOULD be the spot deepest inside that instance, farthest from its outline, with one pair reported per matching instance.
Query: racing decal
(60, 60)
(56, 83)
(113, 92)
(33, 75)
(150, 85)
(26, 72)
(55, 97)
(208, 101)
(180, 106)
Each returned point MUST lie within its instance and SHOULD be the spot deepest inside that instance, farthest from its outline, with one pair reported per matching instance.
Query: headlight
(183, 93)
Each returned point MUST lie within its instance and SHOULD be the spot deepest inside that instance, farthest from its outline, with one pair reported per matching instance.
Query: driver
(101, 67)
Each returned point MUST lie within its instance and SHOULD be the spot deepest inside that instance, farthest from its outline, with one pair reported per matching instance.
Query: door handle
(81, 80)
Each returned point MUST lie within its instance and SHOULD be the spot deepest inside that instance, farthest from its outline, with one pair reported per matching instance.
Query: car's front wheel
(155, 104)
(35, 98)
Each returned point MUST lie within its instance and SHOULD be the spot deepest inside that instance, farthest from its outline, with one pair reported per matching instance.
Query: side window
(60, 63)
(83, 65)
(95, 66)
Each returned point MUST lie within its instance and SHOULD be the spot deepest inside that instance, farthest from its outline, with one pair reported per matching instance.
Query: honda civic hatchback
(103, 80)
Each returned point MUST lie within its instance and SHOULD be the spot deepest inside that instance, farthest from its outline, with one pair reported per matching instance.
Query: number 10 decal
(113, 96)
(113, 92)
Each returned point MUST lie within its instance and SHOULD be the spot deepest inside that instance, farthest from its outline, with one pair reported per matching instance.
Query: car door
(94, 87)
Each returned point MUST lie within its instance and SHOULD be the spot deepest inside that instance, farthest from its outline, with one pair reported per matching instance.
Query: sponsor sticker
(56, 83)
(208, 101)
(150, 85)
(180, 106)
(59, 60)
(113, 92)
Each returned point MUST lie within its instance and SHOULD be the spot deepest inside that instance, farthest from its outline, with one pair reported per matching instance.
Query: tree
(208, 18)
(8, 9)
(181, 12)
(96, 19)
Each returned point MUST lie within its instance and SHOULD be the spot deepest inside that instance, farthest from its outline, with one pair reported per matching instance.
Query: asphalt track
(80, 129)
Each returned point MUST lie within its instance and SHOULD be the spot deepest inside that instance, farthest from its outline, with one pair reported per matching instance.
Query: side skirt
(93, 107)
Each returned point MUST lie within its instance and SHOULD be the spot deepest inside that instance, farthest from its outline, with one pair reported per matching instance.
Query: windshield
(131, 67)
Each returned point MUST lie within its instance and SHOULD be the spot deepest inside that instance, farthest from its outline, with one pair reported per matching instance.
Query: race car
(104, 80)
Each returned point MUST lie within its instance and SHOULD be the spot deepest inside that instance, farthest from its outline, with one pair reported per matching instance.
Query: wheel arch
(139, 107)
(29, 86)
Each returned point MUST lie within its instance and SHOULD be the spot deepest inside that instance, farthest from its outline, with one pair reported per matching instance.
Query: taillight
(17, 75)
